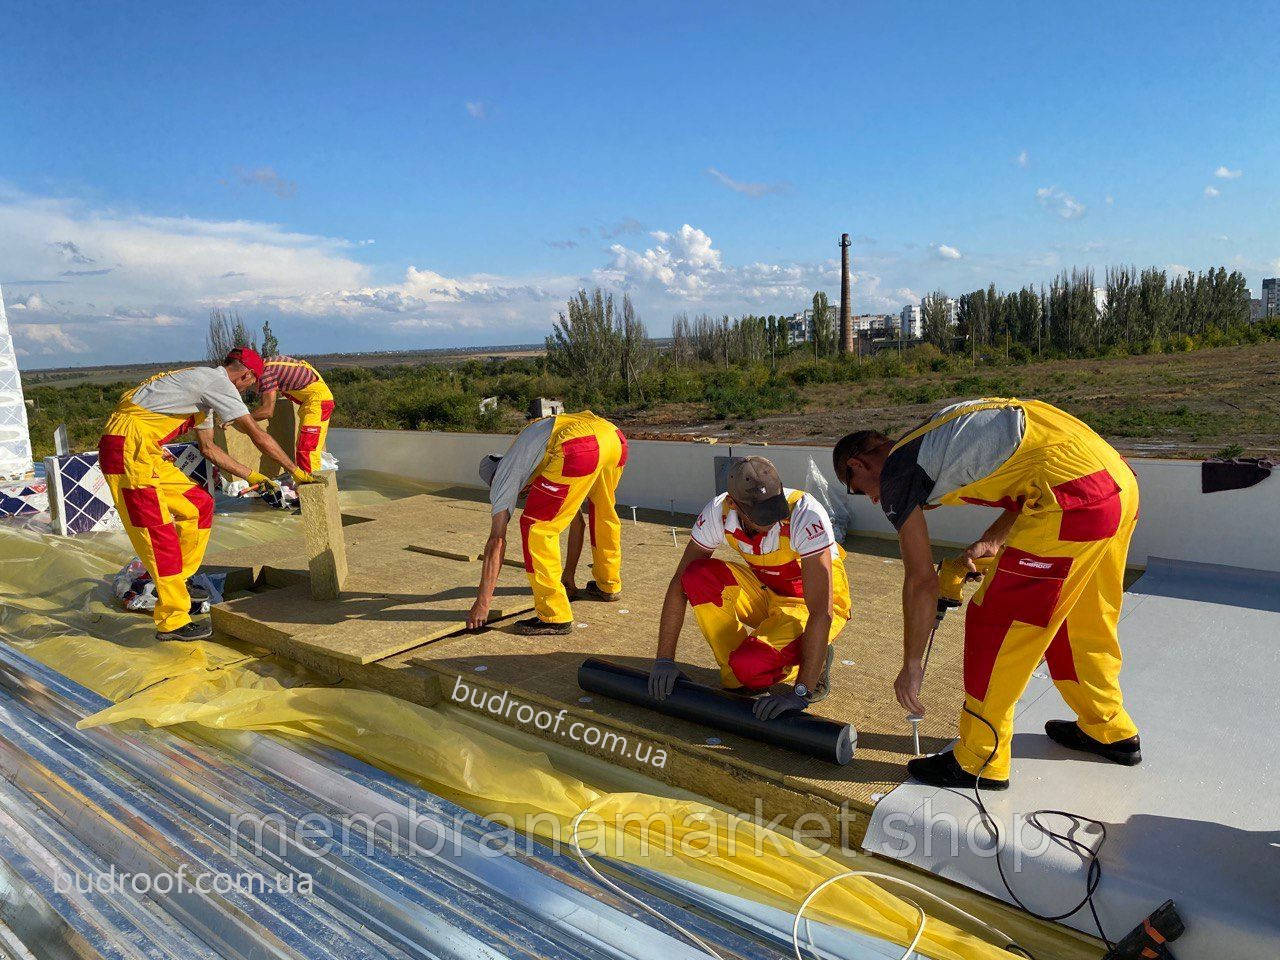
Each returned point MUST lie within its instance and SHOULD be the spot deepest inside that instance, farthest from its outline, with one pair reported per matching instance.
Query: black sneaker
(195, 630)
(823, 686)
(592, 591)
(197, 593)
(535, 627)
(1127, 753)
(944, 770)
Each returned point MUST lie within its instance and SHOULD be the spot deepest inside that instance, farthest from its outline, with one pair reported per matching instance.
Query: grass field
(1184, 404)
(1172, 404)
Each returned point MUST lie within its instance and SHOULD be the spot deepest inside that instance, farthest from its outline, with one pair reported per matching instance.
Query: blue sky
(383, 176)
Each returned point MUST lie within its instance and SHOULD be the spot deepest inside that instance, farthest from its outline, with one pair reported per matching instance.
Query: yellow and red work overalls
(584, 461)
(315, 407)
(1056, 590)
(167, 517)
(753, 613)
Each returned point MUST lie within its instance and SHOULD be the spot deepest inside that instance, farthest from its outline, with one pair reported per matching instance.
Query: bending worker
(773, 617)
(302, 384)
(1070, 504)
(167, 517)
(561, 462)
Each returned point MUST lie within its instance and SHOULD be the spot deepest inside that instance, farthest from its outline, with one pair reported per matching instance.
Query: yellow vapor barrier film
(522, 789)
(56, 606)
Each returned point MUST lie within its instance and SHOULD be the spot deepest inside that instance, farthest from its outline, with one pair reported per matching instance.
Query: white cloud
(1060, 202)
(476, 109)
(1223, 173)
(945, 252)
(748, 188)
(46, 340)
(1022, 159)
(1211, 191)
(1176, 269)
(1110, 200)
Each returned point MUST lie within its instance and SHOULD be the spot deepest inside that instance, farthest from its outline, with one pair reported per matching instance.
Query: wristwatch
(802, 691)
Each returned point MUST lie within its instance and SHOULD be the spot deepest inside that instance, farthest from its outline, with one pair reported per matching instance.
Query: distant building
(542, 407)
(1255, 309)
(1100, 299)
(875, 325)
(910, 324)
(798, 327)
(1271, 297)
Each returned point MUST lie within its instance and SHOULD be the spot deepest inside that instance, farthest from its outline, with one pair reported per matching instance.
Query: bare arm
(993, 541)
(919, 607)
(672, 619)
(495, 551)
(815, 571)
(266, 406)
(219, 457)
(265, 442)
(577, 531)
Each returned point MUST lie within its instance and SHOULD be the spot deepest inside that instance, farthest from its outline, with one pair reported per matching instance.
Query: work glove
(773, 705)
(302, 476)
(257, 479)
(662, 678)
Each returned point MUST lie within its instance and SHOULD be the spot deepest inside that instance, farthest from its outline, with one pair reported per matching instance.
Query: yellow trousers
(584, 461)
(753, 632)
(315, 407)
(1055, 595)
(167, 517)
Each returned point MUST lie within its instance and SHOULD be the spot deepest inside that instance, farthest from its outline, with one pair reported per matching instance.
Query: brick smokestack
(846, 318)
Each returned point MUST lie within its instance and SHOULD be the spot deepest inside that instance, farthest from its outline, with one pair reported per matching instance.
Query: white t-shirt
(518, 463)
(811, 530)
(195, 391)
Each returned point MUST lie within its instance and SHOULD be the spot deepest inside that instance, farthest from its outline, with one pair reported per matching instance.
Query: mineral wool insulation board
(1198, 821)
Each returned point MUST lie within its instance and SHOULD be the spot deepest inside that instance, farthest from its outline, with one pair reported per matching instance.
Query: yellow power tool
(953, 574)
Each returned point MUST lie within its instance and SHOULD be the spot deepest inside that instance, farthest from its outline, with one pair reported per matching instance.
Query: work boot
(201, 630)
(536, 627)
(823, 686)
(944, 770)
(197, 593)
(592, 591)
(1127, 753)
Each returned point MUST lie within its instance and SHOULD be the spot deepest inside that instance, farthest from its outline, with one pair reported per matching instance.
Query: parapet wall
(1238, 528)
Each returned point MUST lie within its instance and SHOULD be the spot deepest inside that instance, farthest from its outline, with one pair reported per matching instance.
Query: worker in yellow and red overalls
(774, 616)
(1070, 504)
(300, 382)
(561, 462)
(167, 517)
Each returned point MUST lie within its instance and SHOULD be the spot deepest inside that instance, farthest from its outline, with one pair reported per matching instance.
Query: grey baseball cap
(756, 490)
(488, 467)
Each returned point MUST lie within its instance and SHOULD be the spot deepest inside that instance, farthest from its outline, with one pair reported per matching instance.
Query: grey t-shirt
(951, 455)
(193, 391)
(518, 464)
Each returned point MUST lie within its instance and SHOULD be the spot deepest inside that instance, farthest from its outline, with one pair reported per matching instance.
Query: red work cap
(249, 358)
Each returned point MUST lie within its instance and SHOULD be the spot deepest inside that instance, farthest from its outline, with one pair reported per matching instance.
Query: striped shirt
(285, 374)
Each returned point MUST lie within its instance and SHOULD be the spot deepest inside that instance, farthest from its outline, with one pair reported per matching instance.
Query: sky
(385, 176)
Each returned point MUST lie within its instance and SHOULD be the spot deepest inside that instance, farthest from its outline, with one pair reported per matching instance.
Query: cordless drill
(1150, 939)
(953, 574)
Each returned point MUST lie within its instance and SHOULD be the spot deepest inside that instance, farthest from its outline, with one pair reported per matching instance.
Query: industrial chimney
(846, 319)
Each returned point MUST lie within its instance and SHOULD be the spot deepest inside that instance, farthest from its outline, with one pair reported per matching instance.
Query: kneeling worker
(561, 461)
(167, 517)
(772, 618)
(302, 384)
(1070, 505)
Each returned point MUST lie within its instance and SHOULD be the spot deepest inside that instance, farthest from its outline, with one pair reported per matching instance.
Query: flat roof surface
(1198, 821)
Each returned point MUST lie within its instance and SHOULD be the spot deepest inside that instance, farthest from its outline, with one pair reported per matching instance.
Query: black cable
(1088, 854)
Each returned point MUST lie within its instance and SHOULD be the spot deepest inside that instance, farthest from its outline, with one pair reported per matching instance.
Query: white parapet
(15, 440)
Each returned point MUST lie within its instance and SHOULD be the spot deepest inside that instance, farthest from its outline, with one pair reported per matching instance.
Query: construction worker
(301, 383)
(561, 462)
(773, 617)
(1070, 503)
(167, 517)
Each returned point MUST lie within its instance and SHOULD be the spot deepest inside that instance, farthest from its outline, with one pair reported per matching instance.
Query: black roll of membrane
(799, 732)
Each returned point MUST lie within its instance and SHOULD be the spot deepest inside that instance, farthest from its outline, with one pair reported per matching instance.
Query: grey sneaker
(195, 630)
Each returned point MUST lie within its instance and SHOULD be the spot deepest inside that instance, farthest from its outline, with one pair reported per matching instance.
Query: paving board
(392, 609)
